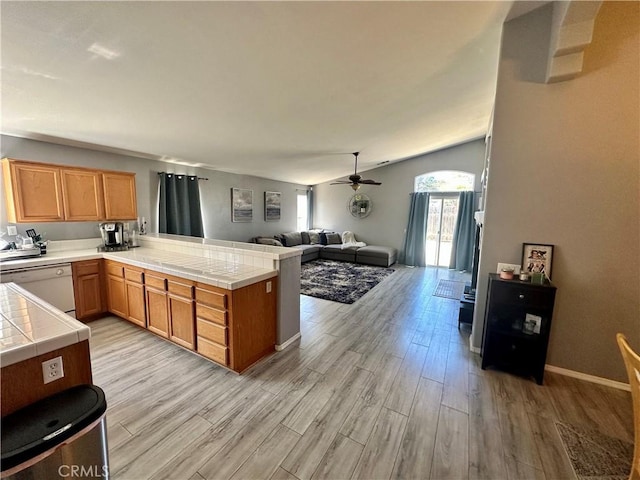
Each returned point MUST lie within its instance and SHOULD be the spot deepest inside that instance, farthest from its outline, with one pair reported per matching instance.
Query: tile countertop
(219, 273)
(30, 327)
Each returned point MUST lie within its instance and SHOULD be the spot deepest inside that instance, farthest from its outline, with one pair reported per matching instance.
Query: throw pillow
(333, 239)
(291, 239)
(314, 238)
(305, 238)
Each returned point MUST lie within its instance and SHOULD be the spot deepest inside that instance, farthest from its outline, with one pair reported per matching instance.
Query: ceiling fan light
(355, 186)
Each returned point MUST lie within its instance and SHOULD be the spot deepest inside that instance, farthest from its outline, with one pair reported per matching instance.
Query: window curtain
(179, 205)
(464, 234)
(413, 250)
(310, 208)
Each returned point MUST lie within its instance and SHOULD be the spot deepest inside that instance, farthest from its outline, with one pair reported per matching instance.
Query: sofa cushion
(309, 252)
(268, 241)
(305, 238)
(291, 239)
(375, 255)
(314, 238)
(336, 252)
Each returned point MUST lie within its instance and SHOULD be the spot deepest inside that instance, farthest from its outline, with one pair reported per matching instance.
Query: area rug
(595, 455)
(340, 281)
(449, 289)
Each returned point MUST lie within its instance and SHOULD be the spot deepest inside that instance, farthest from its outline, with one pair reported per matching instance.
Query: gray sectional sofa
(328, 245)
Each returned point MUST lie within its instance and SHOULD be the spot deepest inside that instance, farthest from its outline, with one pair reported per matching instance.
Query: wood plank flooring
(384, 388)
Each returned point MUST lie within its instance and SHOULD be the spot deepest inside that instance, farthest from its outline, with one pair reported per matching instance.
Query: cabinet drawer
(211, 314)
(211, 331)
(180, 289)
(88, 267)
(133, 275)
(525, 296)
(213, 299)
(115, 269)
(211, 350)
(159, 283)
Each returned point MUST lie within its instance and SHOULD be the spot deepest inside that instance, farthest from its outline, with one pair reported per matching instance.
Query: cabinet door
(88, 288)
(33, 192)
(135, 302)
(88, 297)
(157, 312)
(182, 321)
(83, 199)
(119, 196)
(117, 296)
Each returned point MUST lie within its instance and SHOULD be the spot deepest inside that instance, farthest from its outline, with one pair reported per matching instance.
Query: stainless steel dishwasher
(51, 283)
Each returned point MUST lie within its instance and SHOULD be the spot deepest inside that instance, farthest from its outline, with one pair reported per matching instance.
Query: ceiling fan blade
(341, 182)
(370, 182)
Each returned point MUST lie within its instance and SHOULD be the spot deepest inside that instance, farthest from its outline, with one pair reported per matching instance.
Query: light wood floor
(384, 388)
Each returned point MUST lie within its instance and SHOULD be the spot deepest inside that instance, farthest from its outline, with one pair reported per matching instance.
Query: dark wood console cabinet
(517, 323)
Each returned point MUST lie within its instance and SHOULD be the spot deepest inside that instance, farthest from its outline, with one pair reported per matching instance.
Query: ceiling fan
(355, 180)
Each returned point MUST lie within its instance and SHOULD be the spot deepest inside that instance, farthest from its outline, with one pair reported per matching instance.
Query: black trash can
(63, 436)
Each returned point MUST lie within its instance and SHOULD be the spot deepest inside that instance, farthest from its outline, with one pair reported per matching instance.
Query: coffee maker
(112, 237)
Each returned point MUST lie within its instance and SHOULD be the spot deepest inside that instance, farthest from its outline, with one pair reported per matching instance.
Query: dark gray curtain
(463, 235)
(413, 250)
(179, 206)
(310, 208)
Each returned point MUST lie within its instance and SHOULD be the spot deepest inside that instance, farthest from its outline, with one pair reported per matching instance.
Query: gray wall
(388, 219)
(565, 171)
(215, 193)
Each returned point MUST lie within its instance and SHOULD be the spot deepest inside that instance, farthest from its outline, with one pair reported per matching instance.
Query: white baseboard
(472, 348)
(279, 348)
(589, 378)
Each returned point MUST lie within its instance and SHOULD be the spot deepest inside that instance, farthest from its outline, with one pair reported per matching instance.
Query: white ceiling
(281, 90)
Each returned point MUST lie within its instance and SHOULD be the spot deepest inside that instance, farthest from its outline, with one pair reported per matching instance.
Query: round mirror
(359, 205)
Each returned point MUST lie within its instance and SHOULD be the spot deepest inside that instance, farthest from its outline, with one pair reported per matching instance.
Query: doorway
(441, 223)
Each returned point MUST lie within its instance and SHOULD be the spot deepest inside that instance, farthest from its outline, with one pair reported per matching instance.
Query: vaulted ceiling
(282, 90)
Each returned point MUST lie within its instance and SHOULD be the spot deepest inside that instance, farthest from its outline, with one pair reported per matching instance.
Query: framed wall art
(537, 258)
(241, 205)
(272, 206)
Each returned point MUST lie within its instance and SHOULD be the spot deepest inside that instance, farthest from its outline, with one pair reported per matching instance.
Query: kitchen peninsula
(34, 332)
(229, 287)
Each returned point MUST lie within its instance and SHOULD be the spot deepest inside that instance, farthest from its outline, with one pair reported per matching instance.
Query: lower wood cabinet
(88, 289)
(117, 295)
(125, 292)
(234, 328)
(136, 311)
(157, 311)
(181, 313)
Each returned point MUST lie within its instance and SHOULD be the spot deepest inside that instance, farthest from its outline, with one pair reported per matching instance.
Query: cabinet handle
(521, 296)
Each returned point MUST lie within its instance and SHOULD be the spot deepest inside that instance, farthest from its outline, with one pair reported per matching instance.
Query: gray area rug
(594, 455)
(449, 289)
(340, 281)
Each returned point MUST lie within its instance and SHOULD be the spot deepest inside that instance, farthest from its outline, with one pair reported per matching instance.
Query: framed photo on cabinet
(537, 258)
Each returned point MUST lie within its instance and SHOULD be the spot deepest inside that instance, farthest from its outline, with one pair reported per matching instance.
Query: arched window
(445, 181)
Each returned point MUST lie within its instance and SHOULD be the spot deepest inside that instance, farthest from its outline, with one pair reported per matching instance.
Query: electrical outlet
(52, 370)
(268, 287)
(12, 230)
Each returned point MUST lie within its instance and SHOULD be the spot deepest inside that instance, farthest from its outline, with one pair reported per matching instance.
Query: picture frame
(241, 205)
(272, 204)
(537, 258)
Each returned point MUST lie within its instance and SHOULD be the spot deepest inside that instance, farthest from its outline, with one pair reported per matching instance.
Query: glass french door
(441, 223)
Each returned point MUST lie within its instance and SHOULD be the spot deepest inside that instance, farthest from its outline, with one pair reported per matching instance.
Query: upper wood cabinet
(120, 195)
(38, 192)
(33, 192)
(82, 195)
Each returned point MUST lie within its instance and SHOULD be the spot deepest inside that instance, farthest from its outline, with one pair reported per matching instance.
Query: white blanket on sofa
(349, 240)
